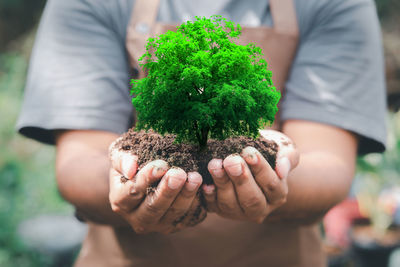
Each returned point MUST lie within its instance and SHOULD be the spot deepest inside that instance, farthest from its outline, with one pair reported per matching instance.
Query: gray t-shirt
(79, 75)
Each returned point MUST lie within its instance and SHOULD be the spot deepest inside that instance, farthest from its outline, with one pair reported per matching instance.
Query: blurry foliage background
(17, 17)
(27, 184)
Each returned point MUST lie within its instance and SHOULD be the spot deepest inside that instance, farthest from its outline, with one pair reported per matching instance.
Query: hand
(246, 187)
(169, 207)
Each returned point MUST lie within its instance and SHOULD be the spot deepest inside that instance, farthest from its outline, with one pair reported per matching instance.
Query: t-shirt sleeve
(78, 74)
(337, 77)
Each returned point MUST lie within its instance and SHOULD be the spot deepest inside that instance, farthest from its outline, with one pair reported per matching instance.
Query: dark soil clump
(150, 146)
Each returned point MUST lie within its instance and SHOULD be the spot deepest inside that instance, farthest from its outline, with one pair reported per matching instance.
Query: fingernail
(193, 181)
(235, 170)
(175, 179)
(215, 167)
(218, 173)
(234, 166)
(158, 168)
(250, 154)
(283, 167)
(208, 189)
(190, 186)
(127, 165)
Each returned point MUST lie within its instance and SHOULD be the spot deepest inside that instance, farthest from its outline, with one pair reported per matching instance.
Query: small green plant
(202, 85)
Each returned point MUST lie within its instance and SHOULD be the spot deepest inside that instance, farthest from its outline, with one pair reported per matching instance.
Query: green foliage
(378, 173)
(17, 17)
(386, 165)
(27, 183)
(200, 84)
(387, 7)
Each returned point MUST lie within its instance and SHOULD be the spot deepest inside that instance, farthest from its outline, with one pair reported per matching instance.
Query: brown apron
(216, 241)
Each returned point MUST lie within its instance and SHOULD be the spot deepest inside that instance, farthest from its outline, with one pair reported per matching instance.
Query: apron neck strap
(144, 15)
(284, 16)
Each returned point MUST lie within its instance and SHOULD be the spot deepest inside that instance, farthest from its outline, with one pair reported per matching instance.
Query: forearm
(324, 174)
(82, 170)
(320, 181)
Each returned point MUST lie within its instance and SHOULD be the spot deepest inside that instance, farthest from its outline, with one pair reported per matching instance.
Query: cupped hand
(168, 207)
(245, 186)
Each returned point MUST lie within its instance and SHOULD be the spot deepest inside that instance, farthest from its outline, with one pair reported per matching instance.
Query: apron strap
(284, 17)
(140, 28)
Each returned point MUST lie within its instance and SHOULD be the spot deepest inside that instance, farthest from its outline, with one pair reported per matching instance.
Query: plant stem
(203, 138)
(201, 135)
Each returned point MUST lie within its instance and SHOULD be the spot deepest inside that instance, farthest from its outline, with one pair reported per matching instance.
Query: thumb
(287, 157)
(283, 167)
(123, 162)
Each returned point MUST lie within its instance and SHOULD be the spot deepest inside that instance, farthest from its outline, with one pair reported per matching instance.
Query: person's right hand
(170, 207)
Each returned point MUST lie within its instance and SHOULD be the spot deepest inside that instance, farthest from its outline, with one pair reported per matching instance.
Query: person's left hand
(245, 186)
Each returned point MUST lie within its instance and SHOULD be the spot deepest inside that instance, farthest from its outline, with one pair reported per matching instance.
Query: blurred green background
(27, 184)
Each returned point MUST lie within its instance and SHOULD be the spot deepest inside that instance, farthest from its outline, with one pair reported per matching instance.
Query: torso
(216, 241)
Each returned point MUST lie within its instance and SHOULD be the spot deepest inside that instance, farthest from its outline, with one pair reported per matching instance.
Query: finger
(157, 203)
(124, 162)
(226, 199)
(196, 214)
(150, 174)
(122, 198)
(183, 201)
(127, 195)
(210, 197)
(283, 167)
(286, 147)
(274, 188)
(250, 196)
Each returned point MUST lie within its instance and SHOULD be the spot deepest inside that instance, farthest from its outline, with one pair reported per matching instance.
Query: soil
(150, 146)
